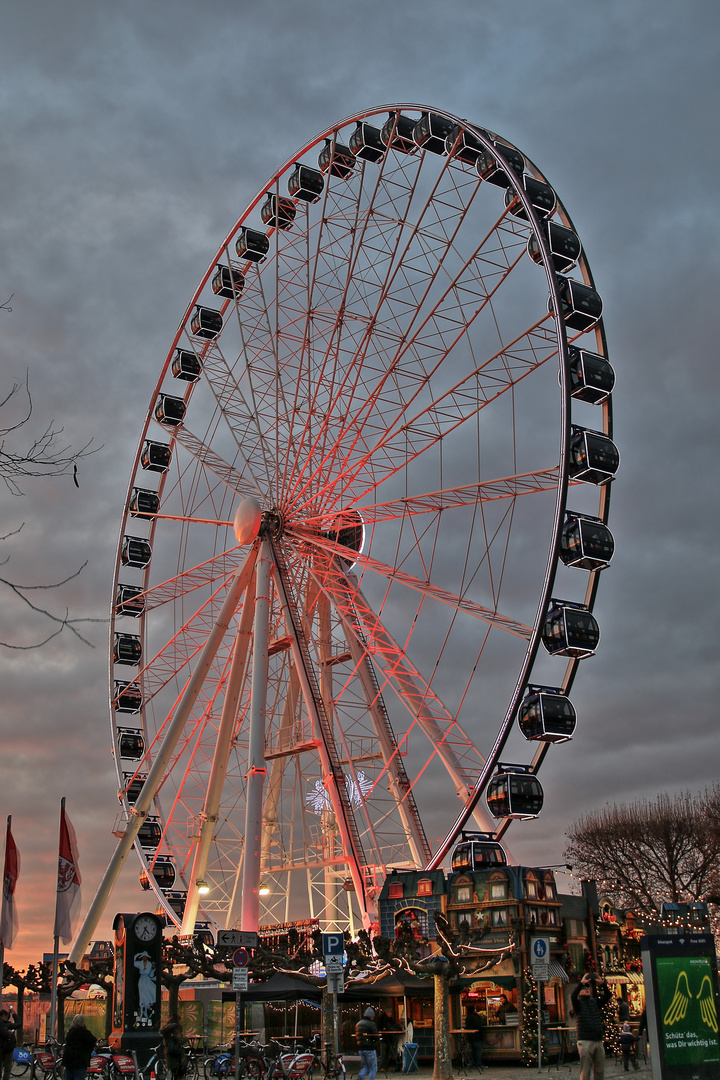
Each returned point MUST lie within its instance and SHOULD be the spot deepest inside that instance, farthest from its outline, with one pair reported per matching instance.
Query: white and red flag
(9, 920)
(68, 885)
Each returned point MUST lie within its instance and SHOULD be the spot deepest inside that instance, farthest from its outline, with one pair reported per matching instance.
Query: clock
(145, 928)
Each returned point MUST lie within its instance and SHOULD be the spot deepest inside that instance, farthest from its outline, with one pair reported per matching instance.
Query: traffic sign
(540, 957)
(333, 964)
(336, 982)
(240, 979)
(233, 939)
(241, 958)
(333, 944)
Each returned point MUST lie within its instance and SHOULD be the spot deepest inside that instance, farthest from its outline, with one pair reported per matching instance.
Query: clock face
(145, 928)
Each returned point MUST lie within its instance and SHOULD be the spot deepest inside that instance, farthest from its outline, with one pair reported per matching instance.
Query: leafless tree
(44, 455)
(651, 851)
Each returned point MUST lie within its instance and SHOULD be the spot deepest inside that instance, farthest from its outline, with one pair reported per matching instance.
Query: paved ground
(613, 1069)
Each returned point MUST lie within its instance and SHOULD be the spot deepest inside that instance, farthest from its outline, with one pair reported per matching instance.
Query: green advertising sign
(680, 972)
(688, 1017)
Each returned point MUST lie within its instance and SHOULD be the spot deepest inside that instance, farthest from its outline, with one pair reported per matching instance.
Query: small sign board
(240, 979)
(234, 939)
(540, 958)
(336, 982)
(333, 945)
(241, 958)
(333, 964)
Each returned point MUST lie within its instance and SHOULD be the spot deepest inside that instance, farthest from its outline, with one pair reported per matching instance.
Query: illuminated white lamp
(203, 888)
(263, 889)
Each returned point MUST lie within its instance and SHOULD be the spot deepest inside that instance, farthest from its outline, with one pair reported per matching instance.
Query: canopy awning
(635, 977)
(617, 979)
(557, 971)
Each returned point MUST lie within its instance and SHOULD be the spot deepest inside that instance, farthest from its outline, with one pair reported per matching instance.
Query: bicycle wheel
(20, 1068)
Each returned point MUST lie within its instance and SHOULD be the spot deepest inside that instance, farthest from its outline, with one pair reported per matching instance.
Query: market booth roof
(282, 987)
(394, 984)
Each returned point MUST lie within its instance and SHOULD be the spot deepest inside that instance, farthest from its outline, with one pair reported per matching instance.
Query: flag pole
(56, 951)
(2, 918)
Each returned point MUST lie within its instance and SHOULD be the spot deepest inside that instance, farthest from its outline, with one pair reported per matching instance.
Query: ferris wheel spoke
(433, 502)
(456, 750)
(448, 320)
(207, 457)
(387, 436)
(390, 573)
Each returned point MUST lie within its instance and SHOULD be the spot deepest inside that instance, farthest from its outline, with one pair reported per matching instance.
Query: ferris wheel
(373, 479)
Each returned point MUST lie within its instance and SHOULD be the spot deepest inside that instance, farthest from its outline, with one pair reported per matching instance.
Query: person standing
(172, 1034)
(367, 1035)
(79, 1045)
(384, 1022)
(8, 1026)
(473, 1024)
(588, 999)
(627, 1045)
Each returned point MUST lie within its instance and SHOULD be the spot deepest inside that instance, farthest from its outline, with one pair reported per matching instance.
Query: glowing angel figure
(707, 1004)
(318, 800)
(681, 999)
(357, 792)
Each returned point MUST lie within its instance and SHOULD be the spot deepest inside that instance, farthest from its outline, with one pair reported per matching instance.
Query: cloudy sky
(133, 136)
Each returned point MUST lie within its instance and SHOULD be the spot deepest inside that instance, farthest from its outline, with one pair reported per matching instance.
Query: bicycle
(155, 1069)
(221, 1063)
(45, 1063)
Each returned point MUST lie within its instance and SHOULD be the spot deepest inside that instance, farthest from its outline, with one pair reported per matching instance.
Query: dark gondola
(305, 183)
(594, 458)
(203, 935)
(514, 792)
(143, 503)
(563, 243)
(170, 410)
(580, 306)
(478, 851)
(186, 365)
(205, 322)
(127, 697)
(132, 786)
(397, 133)
(350, 534)
(464, 145)
(228, 282)
(336, 159)
(149, 834)
(277, 212)
(366, 142)
(489, 168)
(252, 245)
(592, 377)
(127, 649)
(129, 600)
(162, 870)
(570, 630)
(135, 551)
(586, 542)
(541, 195)
(546, 714)
(431, 132)
(131, 744)
(156, 457)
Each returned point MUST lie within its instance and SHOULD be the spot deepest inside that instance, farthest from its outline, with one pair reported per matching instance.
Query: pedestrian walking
(367, 1035)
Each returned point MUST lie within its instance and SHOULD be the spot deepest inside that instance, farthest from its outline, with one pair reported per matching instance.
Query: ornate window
(425, 887)
(395, 891)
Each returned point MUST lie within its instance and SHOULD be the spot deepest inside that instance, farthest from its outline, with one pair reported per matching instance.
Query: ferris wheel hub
(246, 524)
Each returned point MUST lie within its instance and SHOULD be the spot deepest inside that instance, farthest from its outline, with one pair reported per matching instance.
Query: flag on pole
(68, 886)
(9, 921)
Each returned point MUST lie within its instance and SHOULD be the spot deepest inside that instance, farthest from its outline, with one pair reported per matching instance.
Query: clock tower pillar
(137, 989)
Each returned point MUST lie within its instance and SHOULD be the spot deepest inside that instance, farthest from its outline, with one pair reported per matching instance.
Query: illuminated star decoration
(319, 799)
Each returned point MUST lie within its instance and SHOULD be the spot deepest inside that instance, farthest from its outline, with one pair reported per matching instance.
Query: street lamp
(202, 887)
(263, 889)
